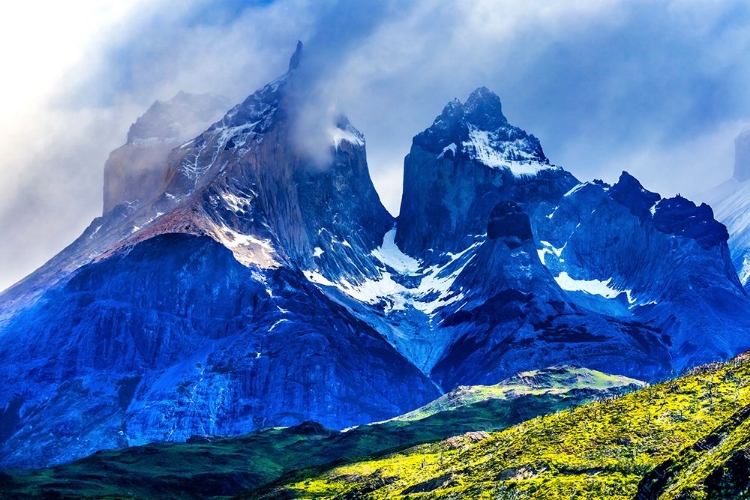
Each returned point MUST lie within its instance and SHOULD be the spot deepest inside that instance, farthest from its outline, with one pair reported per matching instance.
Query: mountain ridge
(260, 288)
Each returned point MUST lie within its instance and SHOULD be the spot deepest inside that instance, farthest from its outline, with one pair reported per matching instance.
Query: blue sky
(658, 88)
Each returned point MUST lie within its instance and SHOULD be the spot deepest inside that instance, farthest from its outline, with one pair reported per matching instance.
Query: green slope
(562, 381)
(225, 467)
(715, 466)
(600, 450)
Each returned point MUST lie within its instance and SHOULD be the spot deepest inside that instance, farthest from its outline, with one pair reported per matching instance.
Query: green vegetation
(716, 466)
(600, 450)
(563, 381)
(222, 468)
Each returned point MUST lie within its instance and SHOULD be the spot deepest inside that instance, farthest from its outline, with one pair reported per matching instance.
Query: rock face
(196, 314)
(263, 285)
(134, 172)
(509, 223)
(176, 338)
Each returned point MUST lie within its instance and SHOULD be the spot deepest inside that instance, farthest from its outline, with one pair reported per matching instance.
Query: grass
(600, 450)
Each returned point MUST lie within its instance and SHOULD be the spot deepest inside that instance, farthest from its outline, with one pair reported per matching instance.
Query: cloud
(657, 88)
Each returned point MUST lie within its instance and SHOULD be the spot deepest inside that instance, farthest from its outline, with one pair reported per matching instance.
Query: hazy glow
(42, 40)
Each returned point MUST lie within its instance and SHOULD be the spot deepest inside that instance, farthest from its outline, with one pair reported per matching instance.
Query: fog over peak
(654, 88)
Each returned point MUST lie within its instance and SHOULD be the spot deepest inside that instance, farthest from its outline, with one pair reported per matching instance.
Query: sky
(657, 88)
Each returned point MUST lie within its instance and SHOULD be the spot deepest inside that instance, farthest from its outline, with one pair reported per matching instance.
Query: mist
(655, 88)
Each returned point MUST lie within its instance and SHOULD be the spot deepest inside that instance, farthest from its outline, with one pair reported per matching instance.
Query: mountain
(562, 381)
(264, 284)
(224, 467)
(610, 277)
(192, 315)
(685, 438)
(134, 171)
(731, 201)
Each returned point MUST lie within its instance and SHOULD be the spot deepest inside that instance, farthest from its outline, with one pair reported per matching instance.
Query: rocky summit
(133, 172)
(252, 285)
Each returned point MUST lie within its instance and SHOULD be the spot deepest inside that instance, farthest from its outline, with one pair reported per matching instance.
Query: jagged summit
(296, 57)
(675, 216)
(184, 115)
(133, 174)
(629, 192)
(479, 130)
(460, 167)
(484, 110)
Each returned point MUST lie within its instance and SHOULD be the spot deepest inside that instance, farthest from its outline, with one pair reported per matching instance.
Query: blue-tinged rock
(175, 338)
(682, 217)
(629, 192)
(509, 222)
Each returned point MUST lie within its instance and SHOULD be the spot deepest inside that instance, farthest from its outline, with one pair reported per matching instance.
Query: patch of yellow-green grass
(600, 450)
(695, 472)
(554, 381)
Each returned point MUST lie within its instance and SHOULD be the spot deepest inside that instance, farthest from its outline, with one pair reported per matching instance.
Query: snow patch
(339, 135)
(249, 250)
(237, 203)
(744, 273)
(391, 255)
(576, 188)
(653, 208)
(450, 147)
(430, 292)
(274, 326)
(548, 248)
(592, 287)
(317, 252)
(485, 147)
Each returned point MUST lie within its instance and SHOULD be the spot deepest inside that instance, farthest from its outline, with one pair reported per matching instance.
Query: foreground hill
(221, 467)
(687, 437)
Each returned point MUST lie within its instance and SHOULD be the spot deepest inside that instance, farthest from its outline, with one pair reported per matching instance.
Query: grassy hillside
(601, 450)
(222, 468)
(715, 466)
(564, 382)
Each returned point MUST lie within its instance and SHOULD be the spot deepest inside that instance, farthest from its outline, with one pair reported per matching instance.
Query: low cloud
(655, 88)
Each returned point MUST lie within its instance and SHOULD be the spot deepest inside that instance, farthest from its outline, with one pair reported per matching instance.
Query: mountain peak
(484, 110)
(133, 172)
(296, 57)
(479, 130)
(180, 117)
(631, 194)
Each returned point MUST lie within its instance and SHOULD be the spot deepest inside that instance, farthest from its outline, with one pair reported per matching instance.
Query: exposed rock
(509, 222)
(134, 172)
